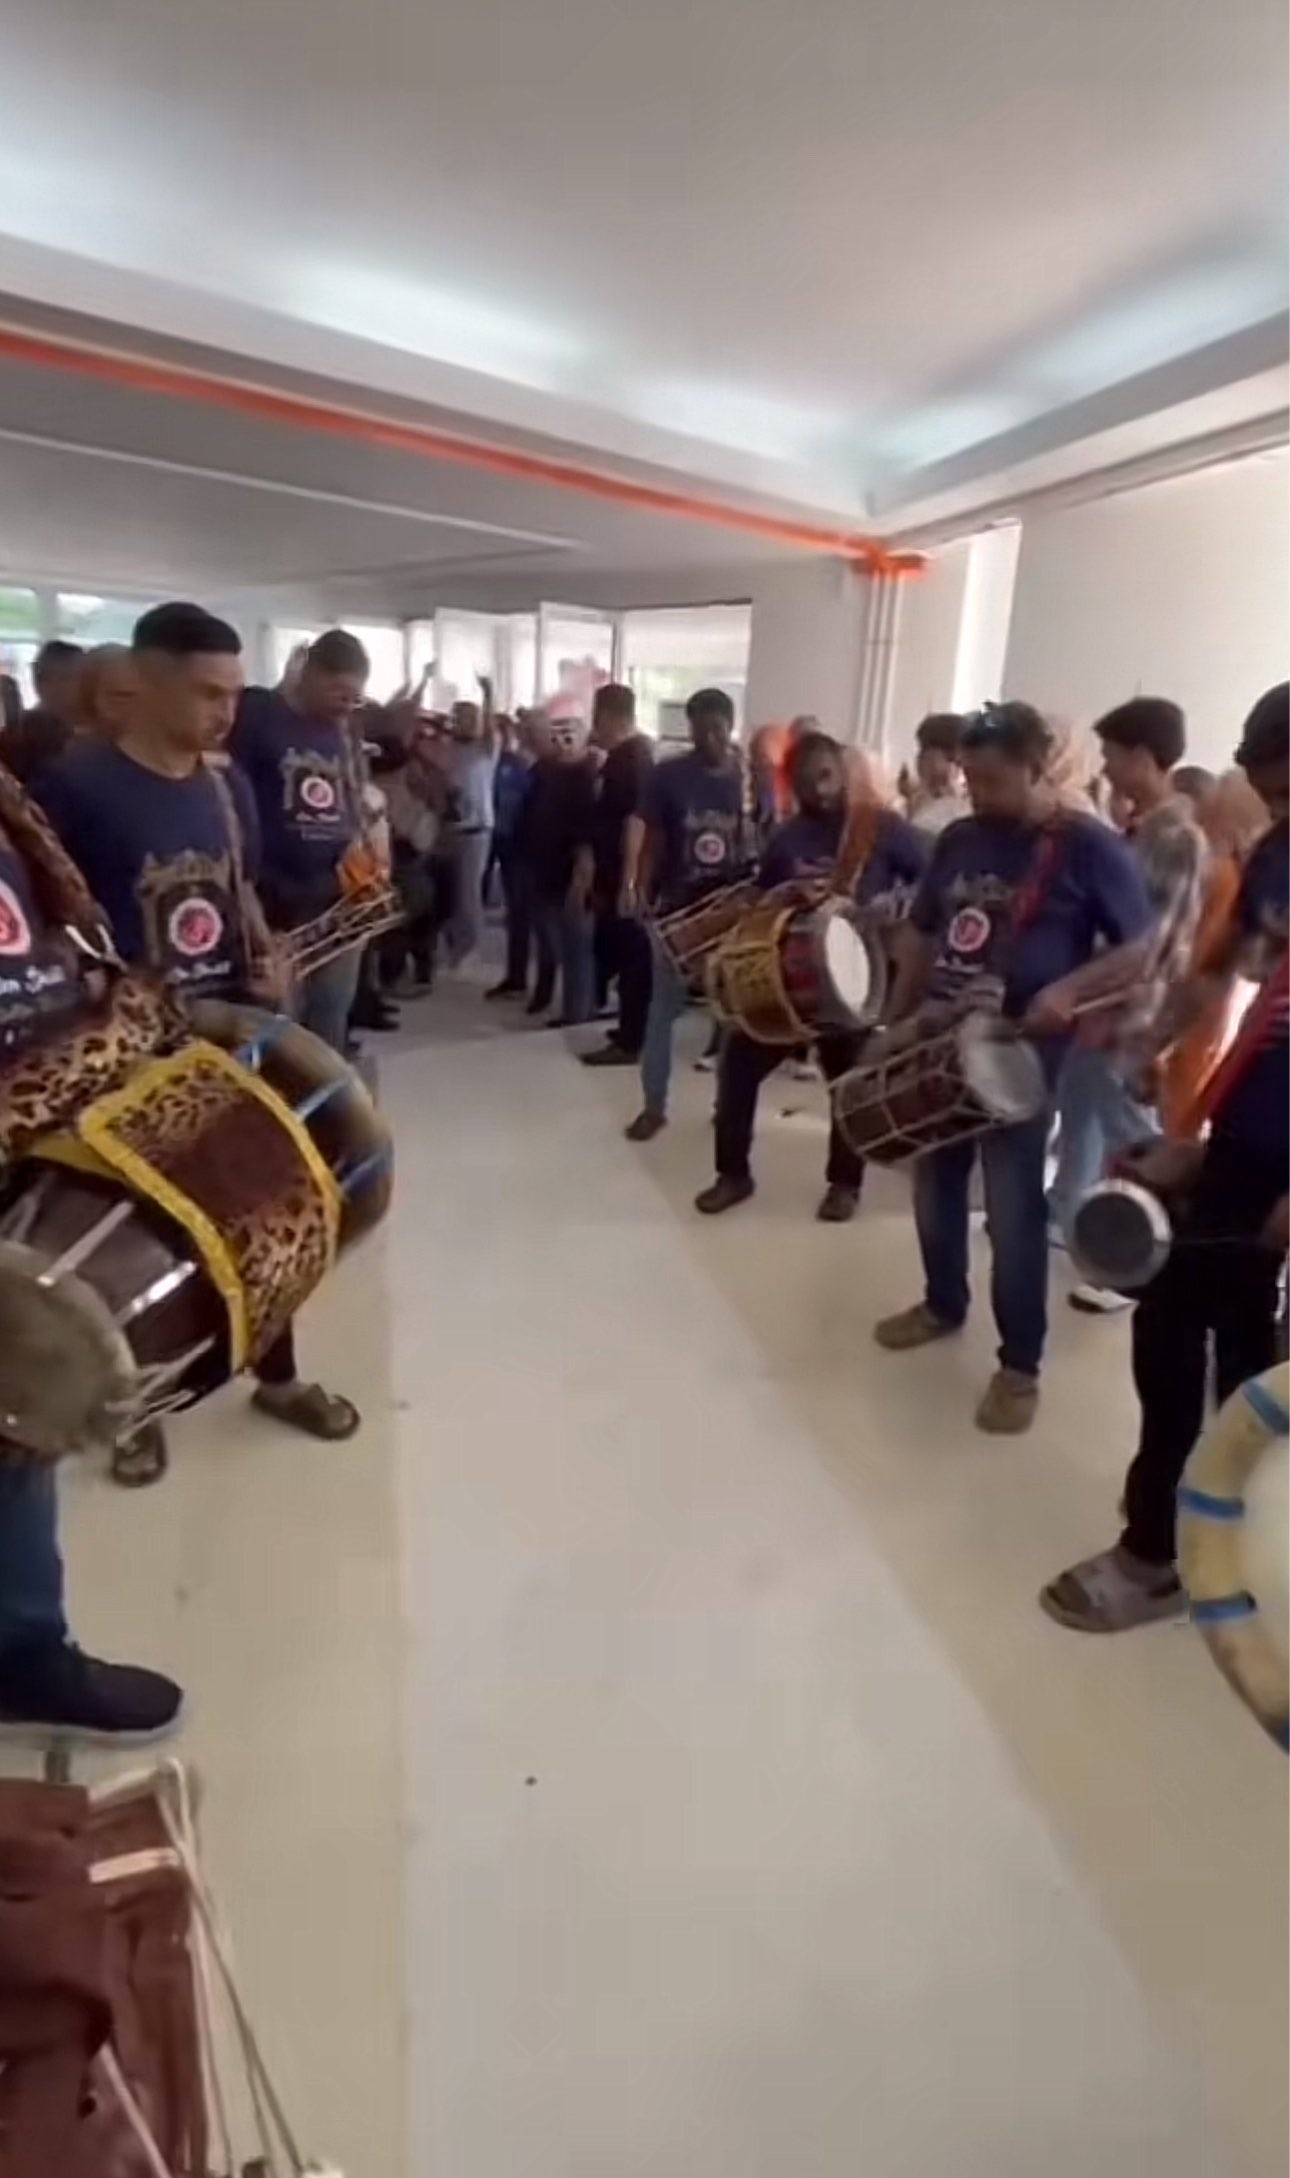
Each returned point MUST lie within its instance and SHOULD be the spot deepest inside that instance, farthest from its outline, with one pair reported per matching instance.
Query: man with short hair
(1017, 896)
(1218, 1288)
(938, 798)
(300, 754)
(169, 849)
(44, 732)
(623, 791)
(690, 839)
(1142, 742)
(473, 774)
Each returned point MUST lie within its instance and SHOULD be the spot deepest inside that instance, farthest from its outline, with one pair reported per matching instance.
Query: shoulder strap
(237, 858)
(61, 891)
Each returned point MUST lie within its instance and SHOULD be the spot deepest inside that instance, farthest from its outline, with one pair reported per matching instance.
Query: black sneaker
(645, 1126)
(610, 1055)
(505, 990)
(838, 1205)
(54, 1687)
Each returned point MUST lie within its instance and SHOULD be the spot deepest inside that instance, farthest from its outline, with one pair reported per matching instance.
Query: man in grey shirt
(473, 767)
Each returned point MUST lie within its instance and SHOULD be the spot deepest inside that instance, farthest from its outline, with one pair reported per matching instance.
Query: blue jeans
(323, 1000)
(31, 1570)
(668, 1000)
(565, 936)
(1098, 1120)
(472, 853)
(1016, 1216)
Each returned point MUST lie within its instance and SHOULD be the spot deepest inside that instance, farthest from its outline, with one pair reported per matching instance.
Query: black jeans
(517, 898)
(1228, 1294)
(744, 1066)
(623, 955)
(277, 1365)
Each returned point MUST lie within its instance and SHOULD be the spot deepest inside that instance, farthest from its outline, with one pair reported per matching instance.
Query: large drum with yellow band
(162, 1241)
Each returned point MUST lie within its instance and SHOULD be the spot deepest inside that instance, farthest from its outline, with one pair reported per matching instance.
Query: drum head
(66, 1373)
(847, 966)
(1120, 1236)
(1003, 1072)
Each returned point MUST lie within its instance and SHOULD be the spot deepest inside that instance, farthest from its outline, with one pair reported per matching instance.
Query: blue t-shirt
(305, 779)
(510, 780)
(1256, 1110)
(1090, 892)
(806, 847)
(473, 775)
(40, 988)
(158, 856)
(696, 813)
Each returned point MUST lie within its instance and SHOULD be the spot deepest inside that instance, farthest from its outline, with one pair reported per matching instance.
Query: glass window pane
(466, 647)
(577, 654)
(19, 613)
(383, 642)
(17, 658)
(90, 620)
(669, 653)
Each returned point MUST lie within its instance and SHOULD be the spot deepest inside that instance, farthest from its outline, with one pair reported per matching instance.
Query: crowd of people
(1111, 902)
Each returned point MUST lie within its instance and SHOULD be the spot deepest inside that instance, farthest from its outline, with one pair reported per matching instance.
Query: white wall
(927, 645)
(1176, 589)
(808, 626)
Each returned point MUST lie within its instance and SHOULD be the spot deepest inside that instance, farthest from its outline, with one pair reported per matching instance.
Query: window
(286, 641)
(91, 620)
(19, 637)
(465, 647)
(668, 654)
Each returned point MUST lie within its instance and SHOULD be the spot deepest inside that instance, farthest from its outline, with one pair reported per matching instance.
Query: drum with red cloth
(797, 967)
(689, 935)
(923, 1093)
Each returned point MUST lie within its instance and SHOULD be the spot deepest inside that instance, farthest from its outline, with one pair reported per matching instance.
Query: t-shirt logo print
(195, 927)
(15, 931)
(318, 794)
(969, 931)
(709, 850)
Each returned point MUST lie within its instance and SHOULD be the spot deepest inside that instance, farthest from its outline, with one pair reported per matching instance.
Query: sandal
(140, 1460)
(1112, 1593)
(307, 1407)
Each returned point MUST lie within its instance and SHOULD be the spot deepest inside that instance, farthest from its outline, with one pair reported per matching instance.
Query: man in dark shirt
(300, 756)
(691, 838)
(1017, 896)
(806, 847)
(41, 735)
(46, 1682)
(169, 850)
(555, 841)
(621, 800)
(1233, 1191)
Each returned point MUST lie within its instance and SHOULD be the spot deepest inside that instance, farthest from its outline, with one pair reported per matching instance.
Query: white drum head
(847, 965)
(1002, 1071)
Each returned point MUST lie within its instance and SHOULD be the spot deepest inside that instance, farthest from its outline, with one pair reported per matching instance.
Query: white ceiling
(869, 257)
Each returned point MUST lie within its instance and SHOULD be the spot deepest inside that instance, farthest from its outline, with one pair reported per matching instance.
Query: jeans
(323, 1000)
(668, 1000)
(1099, 1120)
(1227, 1294)
(565, 943)
(1016, 1216)
(519, 912)
(744, 1066)
(31, 1570)
(467, 931)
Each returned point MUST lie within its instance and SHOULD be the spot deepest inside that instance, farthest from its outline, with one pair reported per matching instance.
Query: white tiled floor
(638, 1755)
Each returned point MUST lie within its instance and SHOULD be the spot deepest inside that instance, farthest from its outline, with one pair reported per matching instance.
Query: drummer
(692, 838)
(47, 1684)
(806, 848)
(1226, 1289)
(1017, 895)
(168, 847)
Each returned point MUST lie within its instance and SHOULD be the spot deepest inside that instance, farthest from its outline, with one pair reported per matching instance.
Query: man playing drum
(1221, 1281)
(1017, 896)
(46, 1683)
(806, 848)
(169, 850)
(692, 839)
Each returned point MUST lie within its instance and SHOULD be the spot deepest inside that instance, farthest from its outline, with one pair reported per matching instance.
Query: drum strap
(246, 917)
(1267, 1012)
(859, 839)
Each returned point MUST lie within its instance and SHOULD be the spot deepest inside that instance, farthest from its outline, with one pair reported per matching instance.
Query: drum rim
(978, 1032)
(1159, 1224)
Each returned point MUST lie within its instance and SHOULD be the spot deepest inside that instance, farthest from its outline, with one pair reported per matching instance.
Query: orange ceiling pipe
(176, 382)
